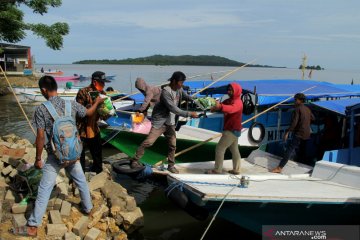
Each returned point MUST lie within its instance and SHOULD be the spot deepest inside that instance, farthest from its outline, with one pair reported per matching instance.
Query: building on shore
(16, 59)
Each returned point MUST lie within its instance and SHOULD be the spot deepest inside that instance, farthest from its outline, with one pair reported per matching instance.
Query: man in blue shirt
(43, 122)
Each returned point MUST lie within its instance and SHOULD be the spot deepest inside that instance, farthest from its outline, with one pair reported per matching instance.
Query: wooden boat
(326, 194)
(67, 94)
(54, 72)
(123, 139)
(87, 78)
(263, 130)
(20, 90)
(38, 97)
(66, 78)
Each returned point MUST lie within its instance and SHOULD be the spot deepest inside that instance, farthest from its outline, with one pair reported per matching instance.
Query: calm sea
(163, 220)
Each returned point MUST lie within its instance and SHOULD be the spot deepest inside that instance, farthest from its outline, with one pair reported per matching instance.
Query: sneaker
(173, 170)
(135, 164)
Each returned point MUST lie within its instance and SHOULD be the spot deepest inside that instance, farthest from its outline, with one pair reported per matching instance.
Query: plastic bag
(142, 127)
(205, 103)
(137, 119)
(106, 109)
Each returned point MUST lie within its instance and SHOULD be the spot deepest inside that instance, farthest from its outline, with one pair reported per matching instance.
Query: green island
(162, 60)
(312, 67)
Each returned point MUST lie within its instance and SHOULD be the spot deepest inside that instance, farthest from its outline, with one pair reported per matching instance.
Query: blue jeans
(47, 183)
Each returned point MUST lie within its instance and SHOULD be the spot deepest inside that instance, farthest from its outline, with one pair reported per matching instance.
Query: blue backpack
(65, 138)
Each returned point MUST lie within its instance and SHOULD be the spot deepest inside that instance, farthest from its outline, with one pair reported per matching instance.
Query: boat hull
(67, 78)
(253, 216)
(28, 97)
(128, 142)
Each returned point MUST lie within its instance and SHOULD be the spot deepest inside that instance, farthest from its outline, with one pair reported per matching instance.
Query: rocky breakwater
(114, 216)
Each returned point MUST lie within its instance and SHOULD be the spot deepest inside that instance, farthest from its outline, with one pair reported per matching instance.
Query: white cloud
(306, 37)
(173, 19)
(345, 36)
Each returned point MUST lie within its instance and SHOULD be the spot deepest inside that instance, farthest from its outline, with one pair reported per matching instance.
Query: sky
(274, 32)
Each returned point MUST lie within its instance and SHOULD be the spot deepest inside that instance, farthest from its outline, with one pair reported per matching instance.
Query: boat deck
(269, 188)
(296, 186)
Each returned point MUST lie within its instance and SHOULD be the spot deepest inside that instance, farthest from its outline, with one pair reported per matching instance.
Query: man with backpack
(55, 119)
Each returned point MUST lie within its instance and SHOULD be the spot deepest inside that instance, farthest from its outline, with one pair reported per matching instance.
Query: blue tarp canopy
(348, 87)
(340, 106)
(275, 91)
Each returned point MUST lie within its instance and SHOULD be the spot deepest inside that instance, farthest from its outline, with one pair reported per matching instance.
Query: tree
(13, 27)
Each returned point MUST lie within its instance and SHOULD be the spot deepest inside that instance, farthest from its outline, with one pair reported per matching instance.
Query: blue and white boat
(326, 194)
(266, 128)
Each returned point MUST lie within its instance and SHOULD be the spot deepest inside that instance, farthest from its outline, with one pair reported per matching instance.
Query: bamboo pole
(17, 100)
(217, 80)
(219, 134)
(221, 78)
(199, 75)
(126, 112)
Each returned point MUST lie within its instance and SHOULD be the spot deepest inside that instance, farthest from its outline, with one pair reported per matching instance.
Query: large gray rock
(98, 181)
(19, 220)
(115, 194)
(132, 220)
(21, 208)
(80, 227)
(92, 234)
(70, 236)
(55, 217)
(65, 209)
(56, 230)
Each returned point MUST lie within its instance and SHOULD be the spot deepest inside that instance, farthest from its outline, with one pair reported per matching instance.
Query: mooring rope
(218, 209)
(17, 100)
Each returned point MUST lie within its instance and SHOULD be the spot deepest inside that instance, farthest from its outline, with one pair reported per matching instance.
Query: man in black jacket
(300, 127)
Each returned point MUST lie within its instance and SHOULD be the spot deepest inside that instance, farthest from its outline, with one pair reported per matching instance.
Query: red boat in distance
(53, 72)
(66, 78)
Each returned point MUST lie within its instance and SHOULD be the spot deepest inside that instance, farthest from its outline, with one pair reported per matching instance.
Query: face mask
(99, 86)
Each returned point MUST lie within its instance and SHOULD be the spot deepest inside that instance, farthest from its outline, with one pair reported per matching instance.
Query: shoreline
(23, 81)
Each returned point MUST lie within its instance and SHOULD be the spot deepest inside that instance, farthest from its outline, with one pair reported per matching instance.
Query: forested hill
(203, 60)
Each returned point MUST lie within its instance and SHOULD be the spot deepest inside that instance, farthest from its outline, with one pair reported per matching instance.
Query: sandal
(23, 231)
(212, 171)
(276, 170)
(234, 172)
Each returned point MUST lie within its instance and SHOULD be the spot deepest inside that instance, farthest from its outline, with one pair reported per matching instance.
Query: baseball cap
(99, 76)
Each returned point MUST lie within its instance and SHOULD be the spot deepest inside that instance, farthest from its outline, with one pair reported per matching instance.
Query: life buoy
(262, 132)
(248, 105)
(123, 167)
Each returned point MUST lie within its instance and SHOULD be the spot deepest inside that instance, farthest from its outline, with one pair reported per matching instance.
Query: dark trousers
(94, 145)
(154, 134)
(291, 150)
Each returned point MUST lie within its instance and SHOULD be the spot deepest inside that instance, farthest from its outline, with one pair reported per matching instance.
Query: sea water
(163, 220)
